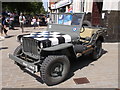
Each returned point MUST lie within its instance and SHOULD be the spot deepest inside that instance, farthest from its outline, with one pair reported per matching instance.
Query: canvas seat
(86, 35)
(85, 38)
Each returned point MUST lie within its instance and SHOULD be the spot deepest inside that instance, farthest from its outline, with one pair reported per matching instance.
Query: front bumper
(29, 66)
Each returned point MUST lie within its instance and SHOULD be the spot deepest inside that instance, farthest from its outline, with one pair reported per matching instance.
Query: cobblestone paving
(102, 73)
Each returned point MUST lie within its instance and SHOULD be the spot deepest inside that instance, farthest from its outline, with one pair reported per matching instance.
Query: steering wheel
(82, 30)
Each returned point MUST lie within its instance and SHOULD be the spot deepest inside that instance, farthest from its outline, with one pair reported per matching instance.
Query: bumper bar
(28, 65)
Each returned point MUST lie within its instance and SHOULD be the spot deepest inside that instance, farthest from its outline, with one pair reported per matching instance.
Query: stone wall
(112, 23)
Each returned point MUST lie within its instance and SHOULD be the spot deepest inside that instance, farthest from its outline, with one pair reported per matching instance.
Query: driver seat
(86, 35)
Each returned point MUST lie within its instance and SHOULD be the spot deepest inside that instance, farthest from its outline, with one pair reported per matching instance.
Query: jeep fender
(20, 36)
(61, 49)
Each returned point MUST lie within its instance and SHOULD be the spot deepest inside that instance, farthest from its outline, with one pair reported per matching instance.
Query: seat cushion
(87, 34)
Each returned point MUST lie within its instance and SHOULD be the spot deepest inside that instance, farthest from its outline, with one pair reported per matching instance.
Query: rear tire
(97, 52)
(54, 69)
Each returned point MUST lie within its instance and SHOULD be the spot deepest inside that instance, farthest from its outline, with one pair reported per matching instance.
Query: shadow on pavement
(9, 36)
(80, 63)
(13, 29)
(38, 78)
(3, 48)
(104, 51)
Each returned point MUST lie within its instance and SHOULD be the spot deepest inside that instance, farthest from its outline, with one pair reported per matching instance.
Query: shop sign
(52, 6)
(63, 3)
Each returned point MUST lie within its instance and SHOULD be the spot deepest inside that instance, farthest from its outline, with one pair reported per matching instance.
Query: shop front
(61, 6)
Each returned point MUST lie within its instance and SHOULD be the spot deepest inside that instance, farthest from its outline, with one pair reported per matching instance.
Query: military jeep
(50, 52)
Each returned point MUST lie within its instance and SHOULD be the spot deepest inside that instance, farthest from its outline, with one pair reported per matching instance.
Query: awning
(62, 3)
(88, 6)
(111, 5)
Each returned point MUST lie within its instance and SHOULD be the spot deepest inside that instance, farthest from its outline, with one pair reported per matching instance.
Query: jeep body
(50, 52)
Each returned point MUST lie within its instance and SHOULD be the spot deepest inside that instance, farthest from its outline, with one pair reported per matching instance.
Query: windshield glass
(65, 19)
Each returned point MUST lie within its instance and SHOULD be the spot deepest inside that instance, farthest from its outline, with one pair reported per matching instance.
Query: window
(62, 10)
(66, 19)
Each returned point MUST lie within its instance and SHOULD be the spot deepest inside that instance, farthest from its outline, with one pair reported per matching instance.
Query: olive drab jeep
(50, 52)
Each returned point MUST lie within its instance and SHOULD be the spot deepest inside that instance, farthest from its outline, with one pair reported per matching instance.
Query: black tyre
(97, 52)
(18, 50)
(54, 69)
(86, 23)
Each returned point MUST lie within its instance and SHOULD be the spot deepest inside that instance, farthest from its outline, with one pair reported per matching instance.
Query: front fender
(58, 47)
(20, 36)
(61, 49)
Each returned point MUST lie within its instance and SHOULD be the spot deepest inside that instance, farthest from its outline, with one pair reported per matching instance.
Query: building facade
(92, 9)
(103, 13)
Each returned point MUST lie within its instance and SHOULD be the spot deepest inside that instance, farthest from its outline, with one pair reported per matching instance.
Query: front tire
(54, 69)
(18, 50)
(17, 53)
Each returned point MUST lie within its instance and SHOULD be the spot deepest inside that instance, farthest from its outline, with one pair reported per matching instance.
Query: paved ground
(102, 73)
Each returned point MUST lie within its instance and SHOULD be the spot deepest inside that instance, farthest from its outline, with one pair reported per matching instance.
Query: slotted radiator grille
(30, 46)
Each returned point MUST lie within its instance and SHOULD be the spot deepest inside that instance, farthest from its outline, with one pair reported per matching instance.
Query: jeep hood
(54, 38)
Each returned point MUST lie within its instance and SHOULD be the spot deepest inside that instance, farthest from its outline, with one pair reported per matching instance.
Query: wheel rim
(56, 70)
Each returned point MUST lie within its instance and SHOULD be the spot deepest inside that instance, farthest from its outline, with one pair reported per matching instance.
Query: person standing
(34, 22)
(38, 22)
(11, 22)
(48, 19)
(5, 21)
(22, 21)
(1, 30)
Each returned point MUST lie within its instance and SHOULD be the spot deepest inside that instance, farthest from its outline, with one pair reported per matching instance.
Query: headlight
(21, 40)
(41, 45)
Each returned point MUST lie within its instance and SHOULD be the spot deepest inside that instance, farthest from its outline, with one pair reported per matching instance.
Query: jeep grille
(30, 46)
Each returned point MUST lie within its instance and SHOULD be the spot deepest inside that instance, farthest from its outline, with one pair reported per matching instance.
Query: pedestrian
(5, 21)
(22, 21)
(11, 22)
(34, 22)
(44, 20)
(38, 22)
(48, 19)
(1, 37)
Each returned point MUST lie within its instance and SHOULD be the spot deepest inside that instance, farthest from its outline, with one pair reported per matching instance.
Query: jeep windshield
(66, 18)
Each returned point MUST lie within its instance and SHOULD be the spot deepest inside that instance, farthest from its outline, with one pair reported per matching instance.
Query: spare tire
(86, 23)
